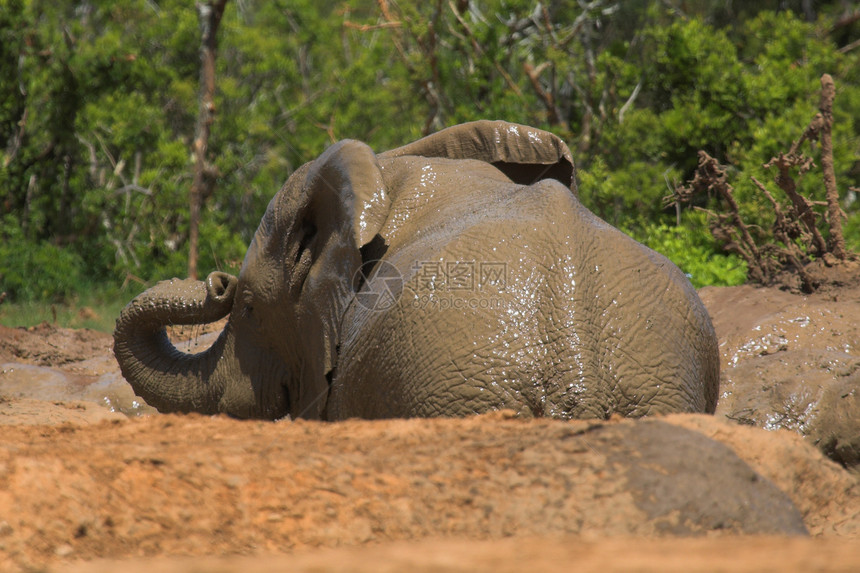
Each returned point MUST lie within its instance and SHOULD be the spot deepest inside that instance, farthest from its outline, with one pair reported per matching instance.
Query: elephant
(455, 275)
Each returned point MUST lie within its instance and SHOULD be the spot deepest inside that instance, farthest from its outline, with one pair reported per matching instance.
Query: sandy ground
(92, 480)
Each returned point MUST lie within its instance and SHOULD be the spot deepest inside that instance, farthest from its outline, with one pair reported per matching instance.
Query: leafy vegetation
(98, 102)
(804, 233)
(695, 253)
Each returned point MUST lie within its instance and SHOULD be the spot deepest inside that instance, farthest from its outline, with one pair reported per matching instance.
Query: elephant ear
(350, 170)
(525, 154)
(328, 209)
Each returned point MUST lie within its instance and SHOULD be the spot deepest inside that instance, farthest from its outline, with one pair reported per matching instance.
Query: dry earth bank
(80, 483)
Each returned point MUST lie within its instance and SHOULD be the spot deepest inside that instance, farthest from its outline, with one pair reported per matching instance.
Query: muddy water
(68, 378)
(44, 383)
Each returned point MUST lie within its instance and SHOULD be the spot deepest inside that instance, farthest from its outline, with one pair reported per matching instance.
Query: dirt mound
(71, 350)
(67, 370)
(554, 554)
(826, 495)
(191, 485)
(80, 482)
(828, 274)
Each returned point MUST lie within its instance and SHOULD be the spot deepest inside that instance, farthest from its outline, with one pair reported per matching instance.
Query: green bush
(691, 247)
(37, 271)
(99, 100)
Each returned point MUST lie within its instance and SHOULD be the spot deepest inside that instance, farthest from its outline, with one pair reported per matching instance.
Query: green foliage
(788, 58)
(37, 271)
(851, 229)
(626, 197)
(694, 252)
(98, 103)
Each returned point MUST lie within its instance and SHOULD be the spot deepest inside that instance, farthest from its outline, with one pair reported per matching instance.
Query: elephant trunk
(168, 379)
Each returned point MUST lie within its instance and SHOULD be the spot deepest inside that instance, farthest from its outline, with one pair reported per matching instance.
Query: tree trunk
(209, 15)
(834, 213)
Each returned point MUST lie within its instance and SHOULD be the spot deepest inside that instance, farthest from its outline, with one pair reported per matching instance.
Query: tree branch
(711, 177)
(848, 47)
(802, 205)
(629, 102)
(553, 113)
(209, 16)
(17, 140)
(371, 27)
(785, 230)
(845, 20)
(834, 213)
(480, 51)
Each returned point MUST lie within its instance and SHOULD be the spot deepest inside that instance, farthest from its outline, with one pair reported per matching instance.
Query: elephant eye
(247, 304)
(309, 232)
(247, 311)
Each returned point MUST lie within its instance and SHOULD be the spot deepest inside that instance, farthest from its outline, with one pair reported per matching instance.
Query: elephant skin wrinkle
(492, 287)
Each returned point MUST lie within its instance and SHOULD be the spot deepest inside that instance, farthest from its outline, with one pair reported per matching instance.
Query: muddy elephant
(455, 275)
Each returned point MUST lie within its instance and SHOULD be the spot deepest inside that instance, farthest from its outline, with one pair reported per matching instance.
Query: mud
(85, 487)
(792, 362)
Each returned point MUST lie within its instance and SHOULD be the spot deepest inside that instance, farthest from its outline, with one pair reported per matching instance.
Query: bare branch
(553, 113)
(132, 187)
(785, 230)
(17, 140)
(802, 205)
(711, 177)
(427, 46)
(480, 50)
(372, 27)
(848, 47)
(209, 16)
(629, 102)
(837, 240)
(845, 20)
(398, 44)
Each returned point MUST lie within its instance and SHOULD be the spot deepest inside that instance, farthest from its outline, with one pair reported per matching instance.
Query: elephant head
(280, 344)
